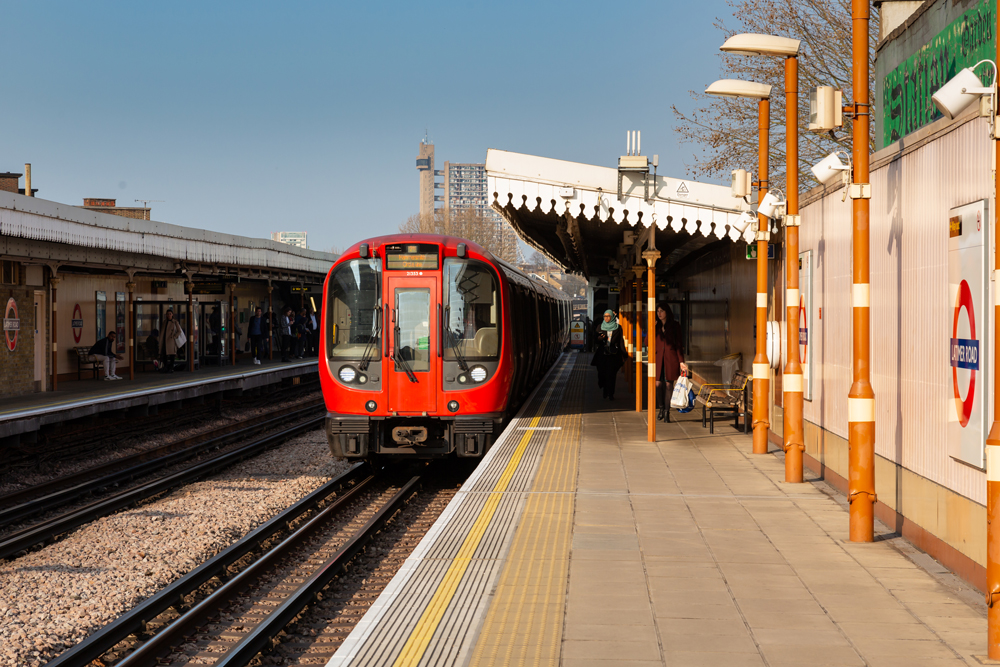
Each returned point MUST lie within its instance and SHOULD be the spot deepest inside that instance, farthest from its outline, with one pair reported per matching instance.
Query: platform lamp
(750, 44)
(952, 99)
(761, 368)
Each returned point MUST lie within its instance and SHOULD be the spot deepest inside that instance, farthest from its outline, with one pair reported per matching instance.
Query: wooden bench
(85, 361)
(735, 398)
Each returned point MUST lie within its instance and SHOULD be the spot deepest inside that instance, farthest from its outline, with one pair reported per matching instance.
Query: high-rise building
(297, 239)
(425, 165)
(465, 188)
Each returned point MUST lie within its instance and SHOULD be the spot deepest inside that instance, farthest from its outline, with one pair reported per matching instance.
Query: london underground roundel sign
(11, 324)
(964, 354)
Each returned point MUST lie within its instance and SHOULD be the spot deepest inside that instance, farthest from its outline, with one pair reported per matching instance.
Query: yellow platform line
(524, 623)
(423, 632)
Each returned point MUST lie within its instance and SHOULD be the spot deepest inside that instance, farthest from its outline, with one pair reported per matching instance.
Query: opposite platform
(583, 544)
(82, 398)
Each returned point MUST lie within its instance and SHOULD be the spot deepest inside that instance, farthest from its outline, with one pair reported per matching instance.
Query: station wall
(915, 185)
(17, 368)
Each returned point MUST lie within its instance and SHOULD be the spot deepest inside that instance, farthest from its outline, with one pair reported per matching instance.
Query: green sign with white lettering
(907, 90)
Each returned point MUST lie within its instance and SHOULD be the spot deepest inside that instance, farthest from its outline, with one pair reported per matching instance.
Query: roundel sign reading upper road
(77, 323)
(964, 353)
(11, 324)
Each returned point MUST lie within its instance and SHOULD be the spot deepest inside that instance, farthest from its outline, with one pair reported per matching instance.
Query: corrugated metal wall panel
(912, 196)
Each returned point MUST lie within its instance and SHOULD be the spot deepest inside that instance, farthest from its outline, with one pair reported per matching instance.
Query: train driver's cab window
(354, 317)
(471, 311)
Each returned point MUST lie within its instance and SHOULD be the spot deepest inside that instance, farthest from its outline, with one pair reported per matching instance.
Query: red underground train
(430, 343)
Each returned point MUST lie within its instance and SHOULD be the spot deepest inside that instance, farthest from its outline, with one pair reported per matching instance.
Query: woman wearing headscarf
(609, 354)
(669, 357)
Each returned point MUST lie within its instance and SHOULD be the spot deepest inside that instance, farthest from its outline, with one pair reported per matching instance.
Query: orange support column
(624, 313)
(130, 325)
(861, 399)
(190, 323)
(794, 442)
(761, 367)
(651, 256)
(993, 468)
(270, 324)
(232, 326)
(54, 283)
(638, 337)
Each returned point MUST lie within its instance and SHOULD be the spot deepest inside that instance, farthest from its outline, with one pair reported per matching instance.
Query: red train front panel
(417, 358)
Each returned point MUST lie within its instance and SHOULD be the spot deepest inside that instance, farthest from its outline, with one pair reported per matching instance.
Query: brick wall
(18, 367)
(9, 181)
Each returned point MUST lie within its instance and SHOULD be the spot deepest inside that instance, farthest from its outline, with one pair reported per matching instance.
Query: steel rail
(261, 636)
(47, 530)
(174, 634)
(71, 487)
(132, 621)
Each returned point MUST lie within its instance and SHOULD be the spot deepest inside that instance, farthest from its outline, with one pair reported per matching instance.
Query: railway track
(305, 419)
(285, 579)
(80, 439)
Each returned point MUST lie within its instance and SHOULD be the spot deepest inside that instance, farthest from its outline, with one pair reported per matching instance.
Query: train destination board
(410, 256)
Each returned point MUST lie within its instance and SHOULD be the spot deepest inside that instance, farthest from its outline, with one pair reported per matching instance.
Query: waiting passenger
(609, 354)
(669, 357)
(104, 351)
(171, 332)
(255, 328)
(152, 345)
(287, 340)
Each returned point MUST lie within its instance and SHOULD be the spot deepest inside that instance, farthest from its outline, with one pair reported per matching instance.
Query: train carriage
(430, 343)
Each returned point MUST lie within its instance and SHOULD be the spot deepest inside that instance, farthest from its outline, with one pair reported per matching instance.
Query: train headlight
(478, 373)
(362, 378)
(452, 406)
(462, 379)
(371, 406)
(347, 374)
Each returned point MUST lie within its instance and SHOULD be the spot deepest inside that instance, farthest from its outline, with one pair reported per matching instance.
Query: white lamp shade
(750, 44)
(739, 88)
(768, 205)
(951, 99)
(828, 168)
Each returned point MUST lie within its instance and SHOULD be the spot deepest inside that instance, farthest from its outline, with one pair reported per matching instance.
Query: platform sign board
(805, 321)
(967, 326)
(577, 335)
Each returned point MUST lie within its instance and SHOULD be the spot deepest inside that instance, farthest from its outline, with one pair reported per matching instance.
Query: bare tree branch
(724, 130)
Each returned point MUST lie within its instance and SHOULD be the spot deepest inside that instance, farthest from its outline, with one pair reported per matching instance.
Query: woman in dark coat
(609, 354)
(669, 357)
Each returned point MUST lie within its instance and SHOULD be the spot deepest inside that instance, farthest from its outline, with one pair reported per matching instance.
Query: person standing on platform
(669, 357)
(171, 332)
(287, 340)
(255, 329)
(312, 324)
(609, 354)
(301, 334)
(104, 351)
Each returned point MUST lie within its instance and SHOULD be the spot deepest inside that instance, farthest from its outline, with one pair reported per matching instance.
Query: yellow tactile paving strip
(525, 620)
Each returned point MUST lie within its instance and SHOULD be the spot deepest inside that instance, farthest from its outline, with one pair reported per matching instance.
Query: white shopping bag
(181, 339)
(680, 398)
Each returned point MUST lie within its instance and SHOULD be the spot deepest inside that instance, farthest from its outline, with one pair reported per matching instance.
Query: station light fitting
(753, 44)
(962, 90)
(826, 109)
(739, 88)
(830, 167)
(771, 206)
(745, 220)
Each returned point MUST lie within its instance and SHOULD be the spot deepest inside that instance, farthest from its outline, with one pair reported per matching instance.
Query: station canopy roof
(571, 212)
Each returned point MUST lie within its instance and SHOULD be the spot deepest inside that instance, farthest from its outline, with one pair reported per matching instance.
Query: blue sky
(255, 117)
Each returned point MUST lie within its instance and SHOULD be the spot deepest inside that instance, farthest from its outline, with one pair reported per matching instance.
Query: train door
(413, 343)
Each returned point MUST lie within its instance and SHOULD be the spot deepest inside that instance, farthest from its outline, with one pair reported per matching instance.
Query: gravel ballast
(53, 598)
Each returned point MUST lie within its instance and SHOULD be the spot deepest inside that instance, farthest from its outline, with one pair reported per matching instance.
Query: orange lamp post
(761, 368)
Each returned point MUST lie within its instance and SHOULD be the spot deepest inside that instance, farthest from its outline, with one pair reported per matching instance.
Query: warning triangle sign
(682, 190)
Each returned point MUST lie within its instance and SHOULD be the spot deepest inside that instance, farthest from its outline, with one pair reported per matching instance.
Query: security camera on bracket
(829, 168)
(963, 89)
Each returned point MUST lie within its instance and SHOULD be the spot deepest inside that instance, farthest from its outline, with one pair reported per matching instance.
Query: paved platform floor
(692, 551)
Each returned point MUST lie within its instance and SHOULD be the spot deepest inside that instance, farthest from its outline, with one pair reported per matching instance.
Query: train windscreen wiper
(453, 341)
(370, 346)
(400, 359)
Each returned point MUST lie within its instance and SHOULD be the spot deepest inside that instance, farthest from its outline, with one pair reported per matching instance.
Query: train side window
(472, 311)
(353, 308)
